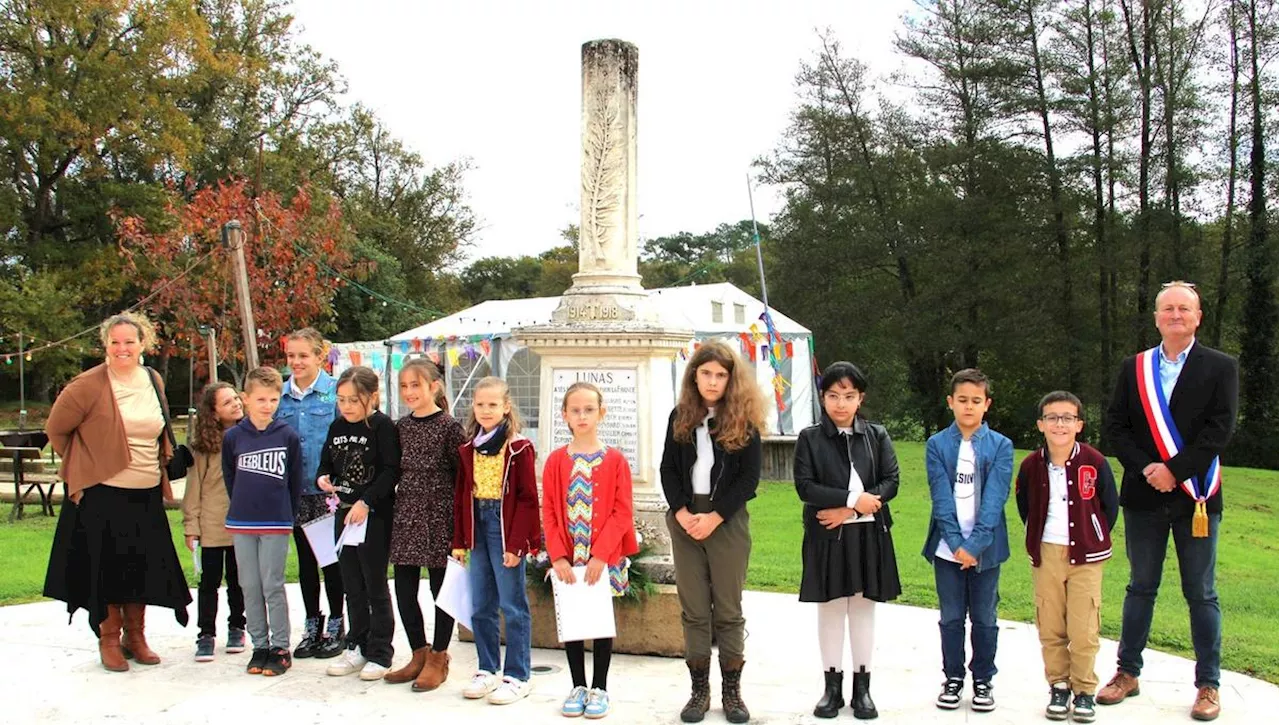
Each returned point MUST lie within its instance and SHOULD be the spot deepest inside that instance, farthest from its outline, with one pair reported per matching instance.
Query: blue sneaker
(597, 704)
(576, 703)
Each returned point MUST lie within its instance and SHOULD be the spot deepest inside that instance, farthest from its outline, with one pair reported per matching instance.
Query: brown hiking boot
(1207, 705)
(134, 642)
(410, 671)
(1121, 686)
(434, 672)
(109, 641)
(735, 710)
(700, 699)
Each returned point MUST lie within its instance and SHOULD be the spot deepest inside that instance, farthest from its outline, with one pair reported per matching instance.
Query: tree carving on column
(603, 157)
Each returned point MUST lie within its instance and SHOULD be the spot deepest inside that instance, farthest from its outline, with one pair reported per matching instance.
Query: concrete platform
(57, 678)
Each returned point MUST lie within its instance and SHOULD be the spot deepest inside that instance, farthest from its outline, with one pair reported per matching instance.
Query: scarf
(490, 443)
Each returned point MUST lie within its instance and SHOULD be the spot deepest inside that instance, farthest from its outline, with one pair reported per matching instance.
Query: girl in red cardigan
(586, 518)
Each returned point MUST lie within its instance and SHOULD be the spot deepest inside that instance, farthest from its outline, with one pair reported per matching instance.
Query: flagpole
(755, 233)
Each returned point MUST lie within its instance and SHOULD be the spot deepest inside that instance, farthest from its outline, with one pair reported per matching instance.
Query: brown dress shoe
(434, 672)
(410, 671)
(1207, 705)
(135, 636)
(109, 641)
(1121, 686)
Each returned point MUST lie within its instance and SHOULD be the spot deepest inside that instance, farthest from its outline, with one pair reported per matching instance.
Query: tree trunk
(1233, 140)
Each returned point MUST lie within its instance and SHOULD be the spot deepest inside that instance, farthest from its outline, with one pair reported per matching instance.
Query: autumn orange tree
(292, 250)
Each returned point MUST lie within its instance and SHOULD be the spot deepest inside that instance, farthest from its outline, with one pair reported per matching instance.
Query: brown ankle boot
(411, 669)
(135, 637)
(735, 710)
(434, 672)
(109, 641)
(700, 698)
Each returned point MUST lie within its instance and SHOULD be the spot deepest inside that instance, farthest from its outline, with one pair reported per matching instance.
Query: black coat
(822, 470)
(1203, 404)
(734, 477)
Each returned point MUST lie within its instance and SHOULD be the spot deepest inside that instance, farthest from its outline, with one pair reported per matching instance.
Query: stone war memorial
(606, 331)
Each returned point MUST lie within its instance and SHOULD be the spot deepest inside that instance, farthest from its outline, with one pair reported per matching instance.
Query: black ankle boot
(863, 707)
(832, 697)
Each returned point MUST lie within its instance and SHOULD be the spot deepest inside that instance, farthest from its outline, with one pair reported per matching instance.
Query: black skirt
(115, 547)
(859, 560)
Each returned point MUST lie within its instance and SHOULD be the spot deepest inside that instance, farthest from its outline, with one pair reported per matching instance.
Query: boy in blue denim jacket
(970, 468)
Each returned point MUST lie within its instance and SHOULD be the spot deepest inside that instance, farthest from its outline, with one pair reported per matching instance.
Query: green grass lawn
(1246, 573)
(1247, 563)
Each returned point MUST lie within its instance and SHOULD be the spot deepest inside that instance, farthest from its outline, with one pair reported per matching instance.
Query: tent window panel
(524, 374)
(739, 314)
(458, 378)
(717, 312)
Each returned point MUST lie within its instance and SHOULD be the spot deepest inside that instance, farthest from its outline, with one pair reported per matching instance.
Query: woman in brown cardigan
(112, 551)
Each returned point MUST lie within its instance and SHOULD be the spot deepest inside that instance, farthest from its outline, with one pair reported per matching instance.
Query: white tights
(860, 613)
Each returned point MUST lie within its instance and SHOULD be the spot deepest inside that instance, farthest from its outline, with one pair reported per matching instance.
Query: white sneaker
(372, 671)
(482, 683)
(510, 691)
(347, 663)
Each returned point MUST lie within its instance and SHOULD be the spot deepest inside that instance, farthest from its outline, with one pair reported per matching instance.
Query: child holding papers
(360, 462)
(586, 517)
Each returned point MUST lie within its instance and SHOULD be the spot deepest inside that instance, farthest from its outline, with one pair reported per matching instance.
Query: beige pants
(1068, 615)
(710, 575)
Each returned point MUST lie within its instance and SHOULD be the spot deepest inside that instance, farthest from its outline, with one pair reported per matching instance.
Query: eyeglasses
(1055, 419)
(1178, 283)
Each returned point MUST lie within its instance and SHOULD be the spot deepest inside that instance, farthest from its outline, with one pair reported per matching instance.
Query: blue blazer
(989, 540)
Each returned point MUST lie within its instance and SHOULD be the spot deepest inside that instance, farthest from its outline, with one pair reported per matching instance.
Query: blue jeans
(969, 592)
(1146, 538)
(494, 587)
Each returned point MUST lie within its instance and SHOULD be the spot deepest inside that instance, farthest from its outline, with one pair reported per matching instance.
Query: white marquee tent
(478, 341)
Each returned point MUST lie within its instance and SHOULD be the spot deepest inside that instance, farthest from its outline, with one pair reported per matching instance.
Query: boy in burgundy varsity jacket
(1066, 496)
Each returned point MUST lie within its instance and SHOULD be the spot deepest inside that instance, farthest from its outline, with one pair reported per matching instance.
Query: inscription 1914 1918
(621, 425)
(594, 311)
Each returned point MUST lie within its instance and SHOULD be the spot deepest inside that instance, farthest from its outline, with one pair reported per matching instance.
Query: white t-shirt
(1055, 526)
(856, 488)
(966, 510)
(701, 473)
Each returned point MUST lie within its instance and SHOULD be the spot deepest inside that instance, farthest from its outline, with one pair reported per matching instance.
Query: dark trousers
(961, 593)
(1146, 539)
(364, 577)
(710, 576)
(214, 561)
(407, 579)
(309, 579)
(601, 655)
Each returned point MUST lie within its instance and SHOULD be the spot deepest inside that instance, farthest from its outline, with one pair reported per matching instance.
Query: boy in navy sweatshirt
(262, 467)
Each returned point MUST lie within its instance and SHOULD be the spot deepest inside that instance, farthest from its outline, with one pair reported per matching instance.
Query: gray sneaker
(204, 648)
(235, 641)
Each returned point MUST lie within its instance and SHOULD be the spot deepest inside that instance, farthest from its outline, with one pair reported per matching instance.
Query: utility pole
(211, 341)
(233, 239)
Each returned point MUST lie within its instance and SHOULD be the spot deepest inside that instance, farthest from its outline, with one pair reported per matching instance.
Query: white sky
(500, 83)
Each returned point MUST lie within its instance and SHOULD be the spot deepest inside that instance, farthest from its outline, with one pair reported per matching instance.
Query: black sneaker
(258, 661)
(204, 648)
(1059, 699)
(949, 698)
(310, 638)
(278, 662)
(1082, 708)
(982, 699)
(235, 641)
(334, 640)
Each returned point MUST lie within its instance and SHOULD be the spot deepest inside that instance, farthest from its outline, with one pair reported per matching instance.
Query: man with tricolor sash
(1171, 416)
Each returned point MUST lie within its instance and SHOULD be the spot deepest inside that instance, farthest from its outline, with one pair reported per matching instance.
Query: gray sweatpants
(260, 559)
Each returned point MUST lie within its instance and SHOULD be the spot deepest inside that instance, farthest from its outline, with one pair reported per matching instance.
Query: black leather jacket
(734, 477)
(822, 469)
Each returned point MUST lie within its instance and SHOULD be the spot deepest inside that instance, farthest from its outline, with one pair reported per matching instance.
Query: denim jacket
(310, 418)
(989, 540)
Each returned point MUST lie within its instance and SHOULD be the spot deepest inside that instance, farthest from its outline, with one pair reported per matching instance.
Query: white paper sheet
(320, 537)
(352, 535)
(583, 611)
(195, 559)
(455, 593)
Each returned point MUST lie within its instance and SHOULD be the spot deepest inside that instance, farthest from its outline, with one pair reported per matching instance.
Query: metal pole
(191, 388)
(233, 238)
(22, 385)
(755, 232)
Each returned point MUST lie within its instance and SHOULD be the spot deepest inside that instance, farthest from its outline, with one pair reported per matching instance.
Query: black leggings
(407, 578)
(309, 579)
(601, 653)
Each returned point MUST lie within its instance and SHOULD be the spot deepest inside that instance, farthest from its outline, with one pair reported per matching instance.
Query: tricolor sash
(1169, 441)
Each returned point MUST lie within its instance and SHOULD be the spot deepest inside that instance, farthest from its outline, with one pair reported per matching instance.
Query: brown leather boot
(109, 641)
(1121, 686)
(135, 636)
(1207, 706)
(700, 699)
(735, 710)
(411, 669)
(434, 672)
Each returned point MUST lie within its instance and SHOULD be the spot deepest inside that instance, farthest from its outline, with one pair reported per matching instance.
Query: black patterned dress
(423, 523)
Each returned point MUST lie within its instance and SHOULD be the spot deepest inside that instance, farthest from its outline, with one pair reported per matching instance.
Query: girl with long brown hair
(710, 469)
